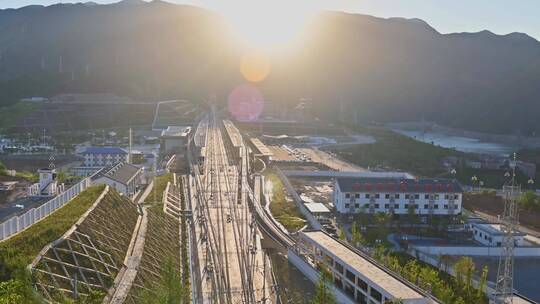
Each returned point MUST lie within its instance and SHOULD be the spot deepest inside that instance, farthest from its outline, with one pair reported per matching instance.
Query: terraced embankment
(162, 276)
(85, 261)
(19, 251)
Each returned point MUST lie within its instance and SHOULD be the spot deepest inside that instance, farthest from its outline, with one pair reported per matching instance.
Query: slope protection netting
(89, 258)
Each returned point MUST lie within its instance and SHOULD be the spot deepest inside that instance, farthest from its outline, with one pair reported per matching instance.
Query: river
(464, 144)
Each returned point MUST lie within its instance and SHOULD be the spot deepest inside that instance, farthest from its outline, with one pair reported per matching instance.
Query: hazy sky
(499, 16)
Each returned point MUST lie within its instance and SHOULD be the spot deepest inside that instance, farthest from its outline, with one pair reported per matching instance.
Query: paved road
(9, 210)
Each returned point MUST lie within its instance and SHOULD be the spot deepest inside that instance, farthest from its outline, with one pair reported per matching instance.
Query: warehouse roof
(176, 131)
(122, 172)
(371, 184)
(316, 208)
(493, 229)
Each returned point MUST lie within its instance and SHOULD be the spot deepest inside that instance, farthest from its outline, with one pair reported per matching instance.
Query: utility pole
(509, 225)
(130, 143)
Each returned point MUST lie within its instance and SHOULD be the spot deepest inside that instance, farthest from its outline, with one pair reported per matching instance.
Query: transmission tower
(509, 225)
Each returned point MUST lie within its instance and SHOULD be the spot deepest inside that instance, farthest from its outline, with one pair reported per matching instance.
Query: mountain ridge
(380, 69)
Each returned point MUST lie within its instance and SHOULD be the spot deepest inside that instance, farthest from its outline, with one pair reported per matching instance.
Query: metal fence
(34, 215)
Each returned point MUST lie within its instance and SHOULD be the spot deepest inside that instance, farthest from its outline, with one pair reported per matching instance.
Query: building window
(426, 196)
(350, 275)
(367, 195)
(406, 206)
(339, 268)
(347, 205)
(436, 196)
(396, 195)
(357, 195)
(337, 282)
(360, 298)
(386, 206)
(347, 195)
(376, 206)
(375, 294)
(366, 205)
(445, 206)
(328, 259)
(377, 195)
(415, 206)
(361, 284)
(426, 206)
(407, 196)
(435, 206)
(446, 196)
(417, 196)
(387, 196)
(357, 205)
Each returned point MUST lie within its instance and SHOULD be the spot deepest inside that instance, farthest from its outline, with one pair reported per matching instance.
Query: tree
(483, 282)
(323, 294)
(529, 200)
(3, 169)
(342, 235)
(356, 235)
(464, 269)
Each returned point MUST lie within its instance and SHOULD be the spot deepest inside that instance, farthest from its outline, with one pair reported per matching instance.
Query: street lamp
(453, 172)
(474, 179)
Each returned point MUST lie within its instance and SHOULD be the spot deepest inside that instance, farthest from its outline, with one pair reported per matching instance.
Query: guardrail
(19, 223)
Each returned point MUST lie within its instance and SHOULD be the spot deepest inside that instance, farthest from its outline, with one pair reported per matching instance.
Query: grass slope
(19, 251)
(156, 195)
(283, 210)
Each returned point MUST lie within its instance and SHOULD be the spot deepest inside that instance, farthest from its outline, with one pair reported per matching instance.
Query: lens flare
(245, 103)
(255, 66)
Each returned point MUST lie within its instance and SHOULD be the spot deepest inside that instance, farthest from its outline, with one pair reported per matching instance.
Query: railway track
(228, 245)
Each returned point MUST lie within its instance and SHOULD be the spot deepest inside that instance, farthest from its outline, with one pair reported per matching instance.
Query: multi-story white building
(103, 156)
(398, 195)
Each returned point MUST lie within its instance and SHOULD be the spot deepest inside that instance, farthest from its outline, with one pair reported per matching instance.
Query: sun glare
(268, 25)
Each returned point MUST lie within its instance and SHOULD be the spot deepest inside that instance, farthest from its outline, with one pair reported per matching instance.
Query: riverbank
(505, 140)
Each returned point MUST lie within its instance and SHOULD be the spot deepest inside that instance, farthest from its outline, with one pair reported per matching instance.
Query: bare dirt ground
(331, 161)
(494, 205)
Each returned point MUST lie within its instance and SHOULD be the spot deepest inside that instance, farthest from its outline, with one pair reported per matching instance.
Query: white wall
(340, 201)
(34, 215)
(477, 250)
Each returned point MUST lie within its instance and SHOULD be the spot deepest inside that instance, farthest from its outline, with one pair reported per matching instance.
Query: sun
(268, 25)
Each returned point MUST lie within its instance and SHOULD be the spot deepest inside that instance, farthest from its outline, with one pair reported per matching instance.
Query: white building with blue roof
(103, 156)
